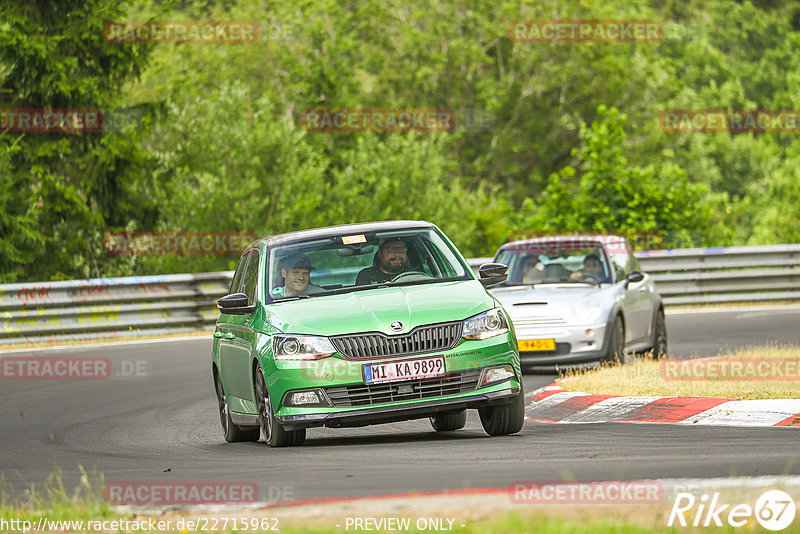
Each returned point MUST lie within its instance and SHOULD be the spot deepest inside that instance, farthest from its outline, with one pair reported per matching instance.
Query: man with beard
(390, 260)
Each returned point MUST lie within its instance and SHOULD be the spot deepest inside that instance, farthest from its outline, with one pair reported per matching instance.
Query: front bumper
(395, 413)
(575, 348)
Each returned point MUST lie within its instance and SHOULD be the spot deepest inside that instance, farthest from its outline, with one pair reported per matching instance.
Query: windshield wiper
(285, 299)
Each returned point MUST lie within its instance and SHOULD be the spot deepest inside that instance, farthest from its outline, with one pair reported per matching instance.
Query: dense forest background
(216, 143)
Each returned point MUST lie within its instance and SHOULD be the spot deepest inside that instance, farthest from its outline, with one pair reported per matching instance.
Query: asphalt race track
(163, 426)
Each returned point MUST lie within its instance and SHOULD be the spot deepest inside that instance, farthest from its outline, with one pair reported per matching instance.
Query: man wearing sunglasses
(390, 260)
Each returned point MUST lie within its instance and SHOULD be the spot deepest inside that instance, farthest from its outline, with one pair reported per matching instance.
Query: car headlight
(293, 347)
(485, 325)
(589, 310)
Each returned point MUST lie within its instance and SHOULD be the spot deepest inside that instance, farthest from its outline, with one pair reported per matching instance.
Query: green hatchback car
(362, 324)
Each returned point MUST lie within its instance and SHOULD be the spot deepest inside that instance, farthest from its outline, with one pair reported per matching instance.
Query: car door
(238, 340)
(630, 294)
(644, 303)
(639, 296)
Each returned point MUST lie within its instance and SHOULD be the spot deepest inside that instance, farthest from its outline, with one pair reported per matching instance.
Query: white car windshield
(555, 264)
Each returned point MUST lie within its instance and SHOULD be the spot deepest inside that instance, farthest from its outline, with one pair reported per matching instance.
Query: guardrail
(149, 305)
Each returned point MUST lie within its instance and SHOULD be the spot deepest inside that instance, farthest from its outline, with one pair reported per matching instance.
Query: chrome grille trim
(539, 321)
(369, 394)
(421, 340)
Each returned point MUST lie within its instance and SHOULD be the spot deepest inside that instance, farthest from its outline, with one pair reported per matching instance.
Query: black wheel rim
(223, 407)
(661, 340)
(264, 407)
(619, 342)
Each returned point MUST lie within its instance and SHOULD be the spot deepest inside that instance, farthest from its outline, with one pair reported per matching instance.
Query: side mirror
(633, 277)
(490, 274)
(234, 304)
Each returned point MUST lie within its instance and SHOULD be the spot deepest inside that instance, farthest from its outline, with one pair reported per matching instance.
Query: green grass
(646, 377)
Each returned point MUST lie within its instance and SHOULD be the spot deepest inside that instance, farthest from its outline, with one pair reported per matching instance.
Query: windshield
(352, 262)
(556, 264)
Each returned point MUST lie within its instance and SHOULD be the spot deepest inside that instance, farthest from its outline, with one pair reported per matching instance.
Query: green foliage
(604, 193)
(60, 189)
(222, 149)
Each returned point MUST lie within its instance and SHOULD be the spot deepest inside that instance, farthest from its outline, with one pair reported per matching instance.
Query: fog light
(306, 397)
(496, 374)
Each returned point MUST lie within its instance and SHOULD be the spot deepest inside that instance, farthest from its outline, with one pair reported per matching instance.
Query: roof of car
(581, 239)
(330, 231)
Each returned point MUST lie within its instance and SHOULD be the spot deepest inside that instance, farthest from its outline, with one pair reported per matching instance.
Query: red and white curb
(552, 404)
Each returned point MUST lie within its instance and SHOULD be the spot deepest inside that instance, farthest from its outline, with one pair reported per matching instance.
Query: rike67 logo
(774, 510)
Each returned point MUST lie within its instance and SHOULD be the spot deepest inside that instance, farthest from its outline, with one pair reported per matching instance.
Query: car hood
(556, 301)
(372, 310)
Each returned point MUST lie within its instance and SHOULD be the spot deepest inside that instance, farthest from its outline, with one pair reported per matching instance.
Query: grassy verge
(736, 305)
(708, 377)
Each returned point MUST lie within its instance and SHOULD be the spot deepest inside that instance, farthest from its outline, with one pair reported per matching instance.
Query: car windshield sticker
(353, 239)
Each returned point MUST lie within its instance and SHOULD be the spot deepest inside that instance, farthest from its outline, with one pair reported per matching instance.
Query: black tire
(660, 336)
(274, 433)
(446, 422)
(231, 432)
(616, 343)
(504, 419)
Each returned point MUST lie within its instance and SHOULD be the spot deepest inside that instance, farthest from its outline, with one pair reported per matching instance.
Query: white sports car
(576, 301)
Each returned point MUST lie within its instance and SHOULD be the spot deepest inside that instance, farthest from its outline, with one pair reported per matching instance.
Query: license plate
(528, 345)
(404, 370)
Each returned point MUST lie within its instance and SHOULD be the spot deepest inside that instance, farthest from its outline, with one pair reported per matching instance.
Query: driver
(591, 267)
(390, 260)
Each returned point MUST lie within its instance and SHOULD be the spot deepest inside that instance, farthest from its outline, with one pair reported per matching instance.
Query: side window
(634, 263)
(621, 257)
(620, 265)
(237, 275)
(250, 279)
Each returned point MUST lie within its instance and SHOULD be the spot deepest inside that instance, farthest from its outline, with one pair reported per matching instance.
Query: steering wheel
(590, 277)
(419, 275)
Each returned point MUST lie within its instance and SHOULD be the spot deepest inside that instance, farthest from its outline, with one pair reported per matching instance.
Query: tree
(604, 193)
(61, 189)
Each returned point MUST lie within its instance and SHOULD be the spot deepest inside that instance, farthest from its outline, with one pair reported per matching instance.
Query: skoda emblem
(396, 326)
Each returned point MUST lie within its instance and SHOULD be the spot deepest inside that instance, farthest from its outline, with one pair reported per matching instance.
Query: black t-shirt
(373, 275)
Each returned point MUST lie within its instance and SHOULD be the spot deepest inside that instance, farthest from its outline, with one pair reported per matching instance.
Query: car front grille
(369, 394)
(539, 321)
(423, 339)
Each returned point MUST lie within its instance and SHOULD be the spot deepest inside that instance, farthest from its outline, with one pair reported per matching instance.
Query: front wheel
(660, 337)
(274, 433)
(231, 432)
(616, 343)
(504, 419)
(446, 422)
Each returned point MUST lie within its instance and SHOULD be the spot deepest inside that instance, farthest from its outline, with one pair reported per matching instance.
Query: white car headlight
(485, 325)
(589, 310)
(294, 347)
